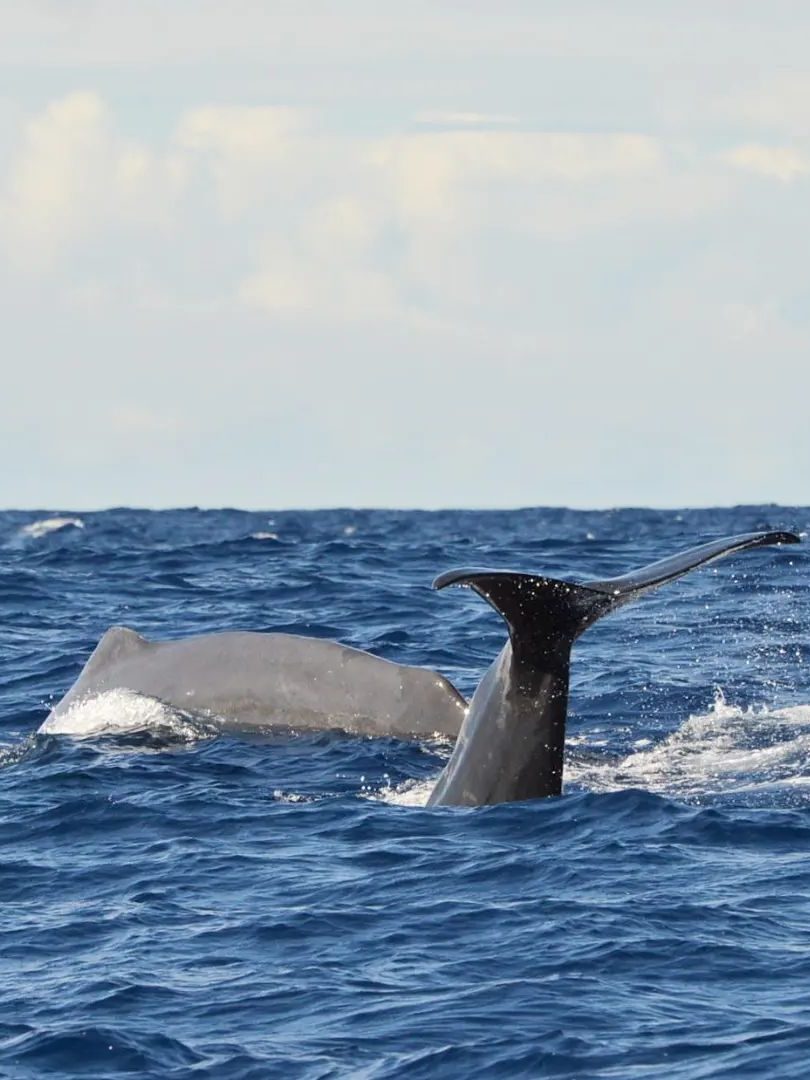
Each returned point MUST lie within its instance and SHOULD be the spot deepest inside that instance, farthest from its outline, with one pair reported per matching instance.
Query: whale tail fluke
(512, 743)
(658, 573)
(545, 615)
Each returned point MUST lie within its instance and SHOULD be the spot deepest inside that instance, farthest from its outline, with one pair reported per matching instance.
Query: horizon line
(61, 508)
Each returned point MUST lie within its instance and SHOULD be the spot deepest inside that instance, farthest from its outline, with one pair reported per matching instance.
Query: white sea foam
(119, 712)
(724, 749)
(264, 536)
(11, 754)
(36, 529)
(290, 796)
(409, 793)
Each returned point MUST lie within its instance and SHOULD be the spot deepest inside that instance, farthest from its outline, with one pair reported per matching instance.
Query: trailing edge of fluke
(512, 741)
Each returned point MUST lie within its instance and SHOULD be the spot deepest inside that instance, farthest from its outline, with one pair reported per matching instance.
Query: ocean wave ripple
(182, 903)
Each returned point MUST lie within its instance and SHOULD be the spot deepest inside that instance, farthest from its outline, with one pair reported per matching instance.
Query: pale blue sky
(433, 254)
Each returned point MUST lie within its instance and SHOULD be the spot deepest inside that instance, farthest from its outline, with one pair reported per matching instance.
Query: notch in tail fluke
(549, 614)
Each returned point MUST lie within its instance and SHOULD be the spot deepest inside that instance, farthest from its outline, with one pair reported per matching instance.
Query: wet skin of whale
(512, 741)
(243, 680)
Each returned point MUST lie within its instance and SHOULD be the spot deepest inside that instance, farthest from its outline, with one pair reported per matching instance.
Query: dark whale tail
(526, 691)
(544, 613)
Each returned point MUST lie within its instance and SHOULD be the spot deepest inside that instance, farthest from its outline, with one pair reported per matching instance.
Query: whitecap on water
(290, 796)
(123, 712)
(10, 755)
(408, 793)
(37, 529)
(726, 749)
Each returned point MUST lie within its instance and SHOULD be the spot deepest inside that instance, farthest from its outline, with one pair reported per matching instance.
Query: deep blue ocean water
(177, 905)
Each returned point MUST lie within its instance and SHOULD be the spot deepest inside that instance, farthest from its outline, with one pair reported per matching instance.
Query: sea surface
(177, 903)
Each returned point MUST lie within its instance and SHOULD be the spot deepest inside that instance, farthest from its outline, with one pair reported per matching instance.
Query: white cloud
(246, 148)
(430, 173)
(58, 174)
(329, 268)
(276, 300)
(338, 227)
(784, 163)
(74, 175)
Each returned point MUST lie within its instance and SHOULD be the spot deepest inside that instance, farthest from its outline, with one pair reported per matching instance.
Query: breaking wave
(43, 527)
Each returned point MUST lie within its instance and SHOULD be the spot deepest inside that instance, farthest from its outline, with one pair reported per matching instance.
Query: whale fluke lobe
(541, 611)
(543, 615)
(512, 741)
(627, 586)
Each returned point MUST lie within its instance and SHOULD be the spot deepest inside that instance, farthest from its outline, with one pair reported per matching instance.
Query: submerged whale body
(243, 680)
(512, 741)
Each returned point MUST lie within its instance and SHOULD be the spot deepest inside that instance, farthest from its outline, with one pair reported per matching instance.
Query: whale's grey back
(247, 679)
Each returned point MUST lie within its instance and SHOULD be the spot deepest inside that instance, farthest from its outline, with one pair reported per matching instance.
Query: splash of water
(725, 749)
(117, 712)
